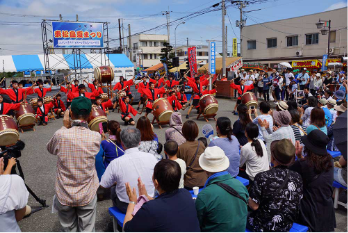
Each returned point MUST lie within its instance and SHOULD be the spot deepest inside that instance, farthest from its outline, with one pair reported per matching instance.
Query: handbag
(194, 158)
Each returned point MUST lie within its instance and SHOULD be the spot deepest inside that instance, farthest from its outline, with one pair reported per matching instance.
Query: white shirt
(334, 114)
(317, 83)
(287, 78)
(254, 163)
(249, 80)
(128, 168)
(182, 165)
(42, 109)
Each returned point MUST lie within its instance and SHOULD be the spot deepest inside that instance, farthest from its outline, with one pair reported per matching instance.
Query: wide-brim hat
(283, 151)
(213, 159)
(340, 108)
(282, 105)
(316, 141)
(323, 101)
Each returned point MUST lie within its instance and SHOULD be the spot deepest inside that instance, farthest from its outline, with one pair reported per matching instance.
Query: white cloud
(336, 6)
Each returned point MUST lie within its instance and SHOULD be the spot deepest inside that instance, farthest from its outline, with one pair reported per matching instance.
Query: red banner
(192, 60)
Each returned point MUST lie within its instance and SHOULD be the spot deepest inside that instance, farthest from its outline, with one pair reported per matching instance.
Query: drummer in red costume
(158, 81)
(171, 83)
(174, 101)
(241, 90)
(83, 92)
(75, 86)
(104, 105)
(181, 96)
(152, 94)
(127, 110)
(6, 107)
(124, 85)
(41, 91)
(17, 94)
(66, 90)
(59, 107)
(143, 85)
(42, 111)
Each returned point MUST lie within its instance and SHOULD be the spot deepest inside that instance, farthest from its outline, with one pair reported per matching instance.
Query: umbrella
(286, 64)
(340, 133)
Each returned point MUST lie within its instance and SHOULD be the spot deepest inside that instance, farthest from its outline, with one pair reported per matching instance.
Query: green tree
(167, 55)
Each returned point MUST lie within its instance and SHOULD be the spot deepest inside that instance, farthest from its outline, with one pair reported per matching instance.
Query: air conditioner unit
(299, 53)
(332, 50)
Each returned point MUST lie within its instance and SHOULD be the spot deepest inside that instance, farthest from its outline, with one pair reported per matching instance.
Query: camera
(12, 151)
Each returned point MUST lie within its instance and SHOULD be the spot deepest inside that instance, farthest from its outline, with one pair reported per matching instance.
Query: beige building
(295, 39)
(146, 49)
(202, 54)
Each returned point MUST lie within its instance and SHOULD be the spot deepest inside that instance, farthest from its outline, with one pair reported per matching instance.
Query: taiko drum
(104, 74)
(162, 109)
(208, 104)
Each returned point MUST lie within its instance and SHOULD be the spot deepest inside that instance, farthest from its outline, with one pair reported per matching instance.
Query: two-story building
(202, 54)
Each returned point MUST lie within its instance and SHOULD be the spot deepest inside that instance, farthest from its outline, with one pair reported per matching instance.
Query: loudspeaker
(175, 61)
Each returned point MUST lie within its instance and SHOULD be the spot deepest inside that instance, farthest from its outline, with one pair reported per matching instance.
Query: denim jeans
(277, 93)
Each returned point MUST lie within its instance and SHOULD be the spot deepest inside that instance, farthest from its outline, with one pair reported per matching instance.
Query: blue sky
(21, 32)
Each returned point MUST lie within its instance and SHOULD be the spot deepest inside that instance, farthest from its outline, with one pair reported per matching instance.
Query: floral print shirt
(150, 147)
(277, 209)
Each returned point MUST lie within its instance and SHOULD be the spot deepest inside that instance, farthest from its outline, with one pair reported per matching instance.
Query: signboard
(235, 49)
(324, 66)
(212, 61)
(138, 59)
(306, 64)
(333, 60)
(236, 65)
(192, 60)
(77, 35)
(165, 68)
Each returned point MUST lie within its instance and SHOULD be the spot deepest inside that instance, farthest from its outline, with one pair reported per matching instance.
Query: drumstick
(2, 79)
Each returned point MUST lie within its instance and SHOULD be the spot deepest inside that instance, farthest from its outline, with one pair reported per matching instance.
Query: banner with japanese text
(235, 49)
(212, 61)
(192, 60)
(77, 35)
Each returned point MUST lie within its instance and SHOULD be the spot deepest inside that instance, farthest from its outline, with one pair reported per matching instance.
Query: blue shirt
(111, 151)
(303, 76)
(328, 116)
(310, 128)
(231, 149)
(265, 85)
(169, 212)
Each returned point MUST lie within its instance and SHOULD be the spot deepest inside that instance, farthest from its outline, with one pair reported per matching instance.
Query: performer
(95, 87)
(152, 94)
(41, 91)
(16, 94)
(6, 107)
(66, 90)
(104, 105)
(59, 107)
(158, 81)
(124, 85)
(42, 111)
(126, 109)
(75, 86)
(241, 90)
(174, 101)
(83, 92)
(143, 85)
(207, 91)
(171, 83)
(181, 96)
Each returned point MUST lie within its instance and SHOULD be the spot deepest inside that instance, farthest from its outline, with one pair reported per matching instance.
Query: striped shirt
(76, 177)
(298, 133)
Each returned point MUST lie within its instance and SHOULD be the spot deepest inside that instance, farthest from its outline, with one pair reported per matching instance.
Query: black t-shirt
(239, 131)
(317, 211)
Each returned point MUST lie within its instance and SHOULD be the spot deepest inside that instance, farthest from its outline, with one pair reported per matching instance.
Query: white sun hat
(214, 160)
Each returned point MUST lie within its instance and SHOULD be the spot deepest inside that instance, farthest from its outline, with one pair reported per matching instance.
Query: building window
(150, 43)
(155, 44)
(143, 43)
(251, 44)
(332, 36)
(291, 41)
(145, 56)
(312, 38)
(134, 58)
(135, 45)
(272, 43)
(151, 56)
(155, 56)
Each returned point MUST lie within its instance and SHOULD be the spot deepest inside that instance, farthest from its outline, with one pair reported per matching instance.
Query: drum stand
(206, 117)
(159, 122)
(25, 127)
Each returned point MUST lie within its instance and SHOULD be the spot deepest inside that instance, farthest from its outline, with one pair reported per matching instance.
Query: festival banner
(77, 35)
(212, 61)
(192, 60)
(235, 49)
(324, 66)
(307, 64)
(333, 60)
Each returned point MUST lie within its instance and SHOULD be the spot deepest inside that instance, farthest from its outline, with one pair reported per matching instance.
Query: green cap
(81, 103)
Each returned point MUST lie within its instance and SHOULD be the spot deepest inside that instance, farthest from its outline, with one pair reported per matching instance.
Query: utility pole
(123, 34)
(119, 33)
(223, 40)
(167, 13)
(240, 23)
(130, 43)
(77, 17)
(187, 42)
(226, 42)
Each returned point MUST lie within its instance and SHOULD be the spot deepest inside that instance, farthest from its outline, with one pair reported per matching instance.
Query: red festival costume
(152, 95)
(181, 97)
(172, 84)
(16, 96)
(124, 85)
(93, 88)
(126, 110)
(58, 104)
(242, 89)
(47, 108)
(174, 102)
(105, 105)
(41, 93)
(89, 95)
(198, 89)
(6, 107)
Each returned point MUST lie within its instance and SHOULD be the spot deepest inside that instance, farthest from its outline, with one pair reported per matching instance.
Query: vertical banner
(137, 57)
(235, 49)
(165, 68)
(212, 68)
(323, 67)
(192, 60)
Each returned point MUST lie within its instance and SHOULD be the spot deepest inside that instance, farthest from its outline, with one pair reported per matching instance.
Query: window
(291, 41)
(134, 58)
(332, 36)
(312, 38)
(135, 45)
(155, 44)
(150, 56)
(272, 43)
(251, 44)
(144, 56)
(155, 56)
(150, 43)
(199, 54)
(143, 43)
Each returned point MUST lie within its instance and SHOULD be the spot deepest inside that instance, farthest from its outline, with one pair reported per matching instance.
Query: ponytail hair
(252, 131)
(224, 124)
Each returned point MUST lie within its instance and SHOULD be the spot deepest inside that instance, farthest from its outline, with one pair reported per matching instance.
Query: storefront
(311, 65)
(253, 66)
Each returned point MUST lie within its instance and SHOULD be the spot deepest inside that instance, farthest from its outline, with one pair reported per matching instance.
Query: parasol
(340, 133)
(286, 64)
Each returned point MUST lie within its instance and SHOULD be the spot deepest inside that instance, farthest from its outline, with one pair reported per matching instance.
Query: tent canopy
(20, 63)
(154, 68)
(218, 64)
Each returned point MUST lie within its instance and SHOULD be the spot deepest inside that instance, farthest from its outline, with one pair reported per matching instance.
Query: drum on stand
(47, 99)
(249, 99)
(25, 115)
(97, 116)
(33, 103)
(8, 131)
(104, 74)
(104, 97)
(208, 104)
(162, 110)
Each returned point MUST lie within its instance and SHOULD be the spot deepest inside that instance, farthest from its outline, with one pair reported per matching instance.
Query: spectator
(171, 150)
(216, 204)
(303, 78)
(172, 211)
(340, 170)
(318, 83)
(265, 115)
(276, 194)
(13, 198)
(311, 103)
(204, 141)
(228, 143)
(266, 84)
(331, 106)
(292, 89)
(253, 154)
(149, 140)
(76, 146)
(295, 124)
(240, 124)
(175, 130)
(282, 106)
(316, 168)
(128, 168)
(317, 121)
(328, 116)
(331, 145)
(306, 94)
(291, 105)
(281, 129)
(328, 95)
(190, 151)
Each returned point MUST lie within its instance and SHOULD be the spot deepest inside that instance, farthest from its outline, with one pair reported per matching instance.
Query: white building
(146, 49)
(202, 54)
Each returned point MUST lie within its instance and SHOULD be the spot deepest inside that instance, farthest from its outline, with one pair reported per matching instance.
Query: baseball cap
(81, 103)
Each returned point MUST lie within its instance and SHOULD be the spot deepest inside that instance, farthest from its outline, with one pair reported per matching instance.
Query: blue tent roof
(120, 60)
(85, 64)
(27, 62)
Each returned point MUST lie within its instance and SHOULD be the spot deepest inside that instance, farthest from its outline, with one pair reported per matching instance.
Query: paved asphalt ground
(40, 167)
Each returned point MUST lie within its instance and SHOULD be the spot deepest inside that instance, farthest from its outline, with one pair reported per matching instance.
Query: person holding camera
(13, 197)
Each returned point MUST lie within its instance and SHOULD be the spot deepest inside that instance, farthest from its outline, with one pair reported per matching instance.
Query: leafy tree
(167, 55)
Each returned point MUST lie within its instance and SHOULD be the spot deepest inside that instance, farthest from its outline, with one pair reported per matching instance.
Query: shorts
(239, 101)
(124, 119)
(148, 110)
(195, 102)
(130, 96)
(142, 99)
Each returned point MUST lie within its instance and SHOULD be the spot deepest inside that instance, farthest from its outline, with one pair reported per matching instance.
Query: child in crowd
(265, 115)
(204, 141)
(171, 150)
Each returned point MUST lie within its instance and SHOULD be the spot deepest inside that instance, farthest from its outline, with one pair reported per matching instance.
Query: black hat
(283, 151)
(82, 86)
(76, 80)
(14, 81)
(316, 141)
(39, 100)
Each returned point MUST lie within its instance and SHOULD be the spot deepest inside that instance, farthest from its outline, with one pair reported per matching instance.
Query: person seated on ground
(281, 129)
(13, 197)
(204, 141)
(328, 115)
(240, 124)
(182, 97)
(306, 94)
(172, 211)
(216, 205)
(175, 130)
(265, 115)
(149, 140)
(190, 151)
(253, 154)
(127, 110)
(42, 111)
(312, 102)
(128, 168)
(276, 194)
(315, 166)
(228, 143)
(317, 121)
(331, 145)
(296, 126)
(170, 150)
(59, 107)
